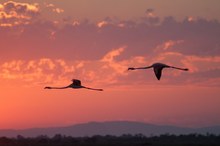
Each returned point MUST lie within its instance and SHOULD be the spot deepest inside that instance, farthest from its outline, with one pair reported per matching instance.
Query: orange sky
(47, 43)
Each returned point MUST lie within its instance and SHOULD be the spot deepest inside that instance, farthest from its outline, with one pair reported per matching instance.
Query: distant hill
(109, 128)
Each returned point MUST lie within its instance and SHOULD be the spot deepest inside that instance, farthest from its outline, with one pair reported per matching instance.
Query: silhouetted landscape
(109, 140)
(115, 133)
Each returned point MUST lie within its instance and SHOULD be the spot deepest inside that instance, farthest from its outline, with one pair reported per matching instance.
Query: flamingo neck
(59, 87)
(144, 67)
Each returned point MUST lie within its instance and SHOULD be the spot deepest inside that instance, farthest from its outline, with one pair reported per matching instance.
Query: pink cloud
(168, 45)
(54, 8)
(58, 10)
(15, 13)
(203, 63)
(178, 43)
(109, 57)
(109, 70)
(46, 70)
(102, 23)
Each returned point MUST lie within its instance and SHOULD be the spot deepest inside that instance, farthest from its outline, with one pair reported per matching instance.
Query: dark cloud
(199, 38)
(149, 10)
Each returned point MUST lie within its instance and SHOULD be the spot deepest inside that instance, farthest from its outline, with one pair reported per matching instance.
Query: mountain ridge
(116, 128)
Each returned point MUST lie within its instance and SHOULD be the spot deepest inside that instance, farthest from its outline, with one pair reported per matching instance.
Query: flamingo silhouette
(158, 67)
(76, 85)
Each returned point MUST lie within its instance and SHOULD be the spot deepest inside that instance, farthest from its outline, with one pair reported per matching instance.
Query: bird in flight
(158, 67)
(76, 85)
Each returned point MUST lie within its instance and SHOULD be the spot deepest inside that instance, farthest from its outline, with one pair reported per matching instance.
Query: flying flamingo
(76, 85)
(158, 67)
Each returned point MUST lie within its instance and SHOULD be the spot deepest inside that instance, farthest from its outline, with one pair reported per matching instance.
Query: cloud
(54, 8)
(103, 50)
(168, 45)
(191, 38)
(58, 10)
(109, 57)
(15, 13)
(44, 70)
(102, 23)
(203, 63)
(106, 70)
(149, 12)
(109, 70)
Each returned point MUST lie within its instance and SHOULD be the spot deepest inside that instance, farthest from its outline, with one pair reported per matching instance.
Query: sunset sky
(49, 42)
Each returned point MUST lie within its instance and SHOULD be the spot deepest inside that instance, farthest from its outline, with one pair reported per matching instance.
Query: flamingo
(158, 67)
(76, 85)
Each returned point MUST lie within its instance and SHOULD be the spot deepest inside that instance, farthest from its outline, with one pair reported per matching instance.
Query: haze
(48, 43)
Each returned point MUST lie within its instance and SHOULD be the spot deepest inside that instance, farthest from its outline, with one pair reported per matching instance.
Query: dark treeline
(109, 140)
